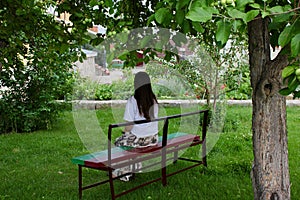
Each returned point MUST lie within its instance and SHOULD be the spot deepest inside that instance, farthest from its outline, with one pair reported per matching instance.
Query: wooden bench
(116, 157)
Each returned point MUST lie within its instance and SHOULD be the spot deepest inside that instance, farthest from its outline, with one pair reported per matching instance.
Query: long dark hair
(144, 95)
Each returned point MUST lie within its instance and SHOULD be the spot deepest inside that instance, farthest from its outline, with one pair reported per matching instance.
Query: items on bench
(117, 157)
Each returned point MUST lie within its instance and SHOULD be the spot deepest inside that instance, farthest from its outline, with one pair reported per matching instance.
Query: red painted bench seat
(99, 160)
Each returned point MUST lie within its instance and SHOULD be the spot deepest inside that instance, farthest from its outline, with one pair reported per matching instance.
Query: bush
(162, 91)
(168, 82)
(122, 89)
(35, 63)
(28, 103)
(238, 84)
(86, 89)
(103, 92)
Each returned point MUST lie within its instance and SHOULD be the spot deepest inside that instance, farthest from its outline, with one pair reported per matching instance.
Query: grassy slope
(38, 166)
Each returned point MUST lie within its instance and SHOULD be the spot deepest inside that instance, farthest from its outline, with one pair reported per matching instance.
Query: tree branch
(297, 59)
(286, 12)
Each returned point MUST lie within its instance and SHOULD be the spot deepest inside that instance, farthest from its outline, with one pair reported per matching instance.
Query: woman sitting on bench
(142, 105)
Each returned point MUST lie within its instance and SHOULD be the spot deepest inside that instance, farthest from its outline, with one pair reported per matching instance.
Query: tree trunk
(270, 172)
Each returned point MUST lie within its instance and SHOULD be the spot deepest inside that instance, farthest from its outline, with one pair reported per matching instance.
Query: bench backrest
(165, 128)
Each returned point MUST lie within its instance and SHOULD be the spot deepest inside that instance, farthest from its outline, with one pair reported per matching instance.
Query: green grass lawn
(38, 165)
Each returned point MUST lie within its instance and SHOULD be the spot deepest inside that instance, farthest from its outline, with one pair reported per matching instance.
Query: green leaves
(223, 31)
(20, 12)
(199, 14)
(163, 16)
(286, 72)
(251, 15)
(145, 41)
(179, 16)
(160, 15)
(241, 4)
(234, 13)
(197, 26)
(285, 36)
(295, 45)
(246, 17)
(93, 3)
(292, 86)
(291, 74)
(180, 39)
(182, 3)
(291, 34)
(276, 9)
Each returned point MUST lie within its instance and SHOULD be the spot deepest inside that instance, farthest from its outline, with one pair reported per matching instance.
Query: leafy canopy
(218, 19)
(232, 16)
(37, 50)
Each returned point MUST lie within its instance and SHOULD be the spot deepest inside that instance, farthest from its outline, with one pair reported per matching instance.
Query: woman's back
(132, 114)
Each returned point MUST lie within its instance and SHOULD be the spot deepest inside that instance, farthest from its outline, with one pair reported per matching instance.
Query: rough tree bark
(270, 172)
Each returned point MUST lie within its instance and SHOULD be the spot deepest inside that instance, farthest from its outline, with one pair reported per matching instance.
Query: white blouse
(132, 114)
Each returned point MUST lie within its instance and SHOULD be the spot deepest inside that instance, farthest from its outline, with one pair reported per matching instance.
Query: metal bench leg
(164, 176)
(175, 158)
(164, 153)
(80, 181)
(204, 161)
(204, 131)
(164, 168)
(111, 184)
